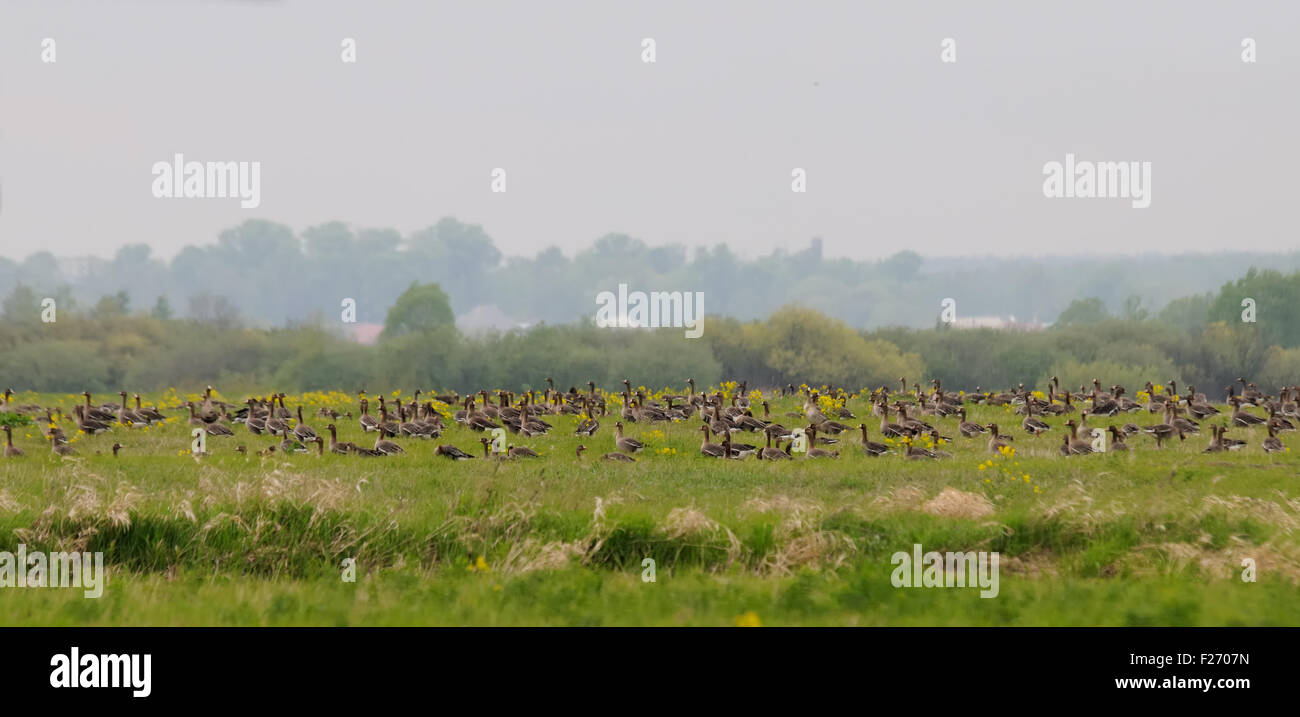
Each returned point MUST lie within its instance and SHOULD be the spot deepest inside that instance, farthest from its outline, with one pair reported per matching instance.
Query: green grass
(1145, 537)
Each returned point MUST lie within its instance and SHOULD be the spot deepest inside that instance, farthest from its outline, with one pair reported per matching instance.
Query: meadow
(1146, 536)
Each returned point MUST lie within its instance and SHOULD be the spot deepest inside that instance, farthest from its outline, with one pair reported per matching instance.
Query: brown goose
(1242, 419)
(385, 446)
(12, 451)
(872, 448)
(1273, 444)
(1077, 447)
(914, 453)
(997, 442)
(128, 417)
(772, 454)
(89, 425)
(302, 431)
(212, 429)
(452, 453)
(1117, 439)
(711, 450)
(367, 421)
(522, 452)
(965, 427)
(627, 445)
(813, 450)
(335, 445)
(1032, 425)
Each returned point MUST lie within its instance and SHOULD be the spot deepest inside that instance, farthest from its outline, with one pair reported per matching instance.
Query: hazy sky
(900, 149)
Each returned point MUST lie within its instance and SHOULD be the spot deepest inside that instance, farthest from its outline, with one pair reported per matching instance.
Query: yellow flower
(749, 619)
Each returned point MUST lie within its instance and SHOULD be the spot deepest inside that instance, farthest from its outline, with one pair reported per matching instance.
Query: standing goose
(711, 450)
(12, 451)
(89, 425)
(302, 431)
(256, 424)
(872, 448)
(627, 445)
(212, 429)
(128, 417)
(367, 421)
(772, 454)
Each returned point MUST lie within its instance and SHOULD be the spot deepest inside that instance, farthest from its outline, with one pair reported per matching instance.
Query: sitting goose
(89, 425)
(1232, 444)
(966, 428)
(256, 424)
(212, 429)
(1076, 446)
(1032, 425)
(522, 452)
(629, 445)
(1241, 418)
(914, 453)
(452, 453)
(1116, 439)
(1273, 444)
(997, 442)
(612, 456)
(367, 421)
(61, 449)
(813, 450)
(772, 454)
(385, 446)
(335, 445)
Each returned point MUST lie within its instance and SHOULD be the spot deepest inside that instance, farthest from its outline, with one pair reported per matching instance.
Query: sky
(900, 149)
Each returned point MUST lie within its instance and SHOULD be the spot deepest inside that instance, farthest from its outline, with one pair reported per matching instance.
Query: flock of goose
(902, 420)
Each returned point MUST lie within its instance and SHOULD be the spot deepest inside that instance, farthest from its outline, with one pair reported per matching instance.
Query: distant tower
(815, 249)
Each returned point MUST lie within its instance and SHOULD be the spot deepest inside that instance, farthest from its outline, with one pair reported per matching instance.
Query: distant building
(488, 317)
(365, 333)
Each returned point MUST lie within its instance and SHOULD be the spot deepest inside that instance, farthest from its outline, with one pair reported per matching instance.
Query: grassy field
(1144, 537)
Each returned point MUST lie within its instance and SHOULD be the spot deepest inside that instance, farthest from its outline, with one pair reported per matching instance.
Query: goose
(96, 414)
(1231, 444)
(1199, 409)
(1032, 425)
(588, 425)
(1117, 439)
(212, 429)
(869, 447)
(367, 421)
(1278, 423)
(128, 417)
(1241, 418)
(385, 424)
(1273, 444)
(522, 452)
(269, 450)
(302, 431)
(255, 424)
(614, 456)
(997, 442)
(965, 427)
(117, 447)
(711, 450)
(487, 450)
(453, 453)
(627, 445)
(291, 444)
(1216, 442)
(62, 449)
(335, 445)
(912, 425)
(772, 454)
(385, 446)
(89, 425)
(149, 412)
(814, 451)
(914, 453)
(1077, 447)
(735, 452)
(12, 451)
(1064, 448)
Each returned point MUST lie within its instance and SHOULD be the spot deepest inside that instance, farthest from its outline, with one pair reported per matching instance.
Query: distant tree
(422, 307)
(162, 308)
(111, 305)
(1132, 309)
(902, 266)
(1188, 312)
(21, 305)
(214, 309)
(1083, 311)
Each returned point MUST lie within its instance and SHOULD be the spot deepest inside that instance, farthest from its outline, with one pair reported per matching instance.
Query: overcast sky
(900, 149)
